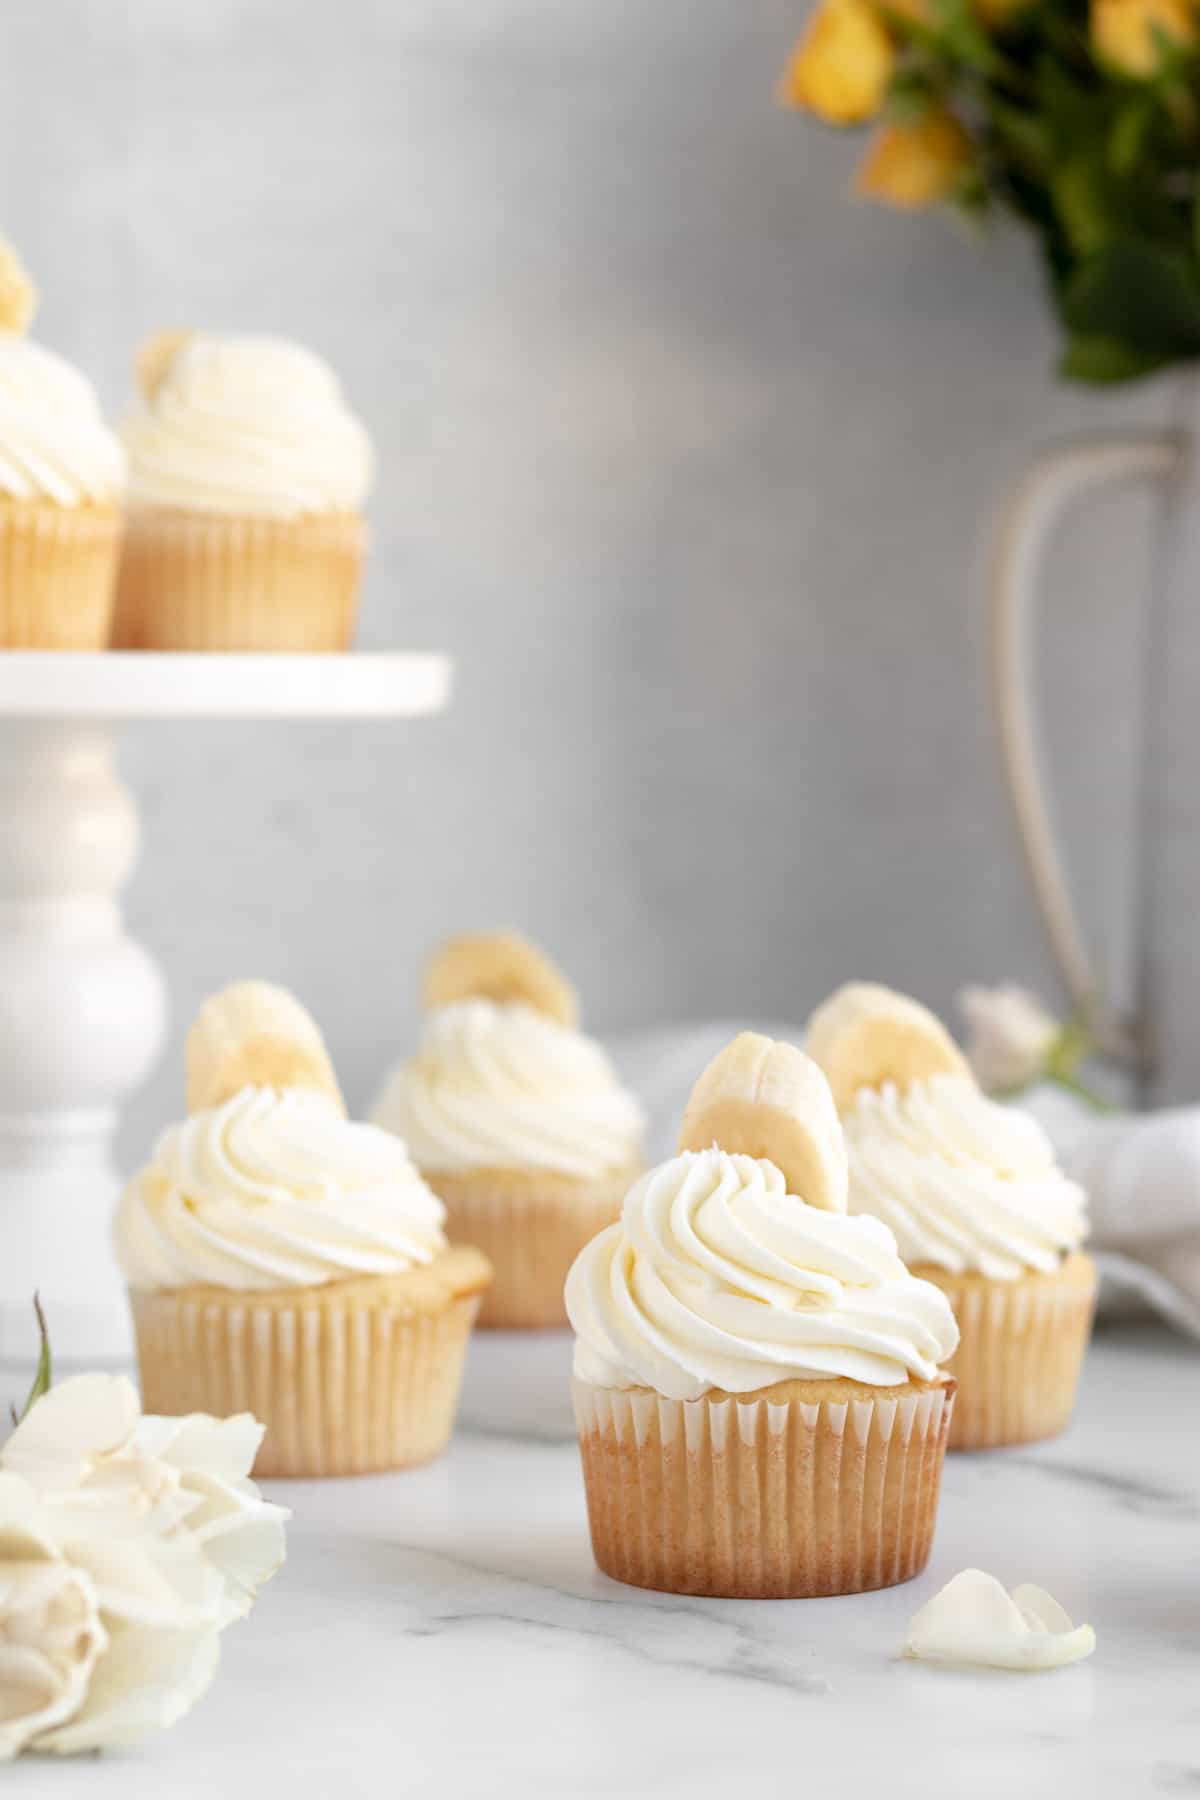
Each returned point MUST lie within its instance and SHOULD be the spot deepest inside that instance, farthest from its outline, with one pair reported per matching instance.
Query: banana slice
(866, 1035)
(18, 296)
(766, 1099)
(155, 357)
(254, 1035)
(500, 966)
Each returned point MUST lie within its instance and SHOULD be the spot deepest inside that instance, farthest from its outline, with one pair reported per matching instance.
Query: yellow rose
(1125, 33)
(911, 166)
(841, 67)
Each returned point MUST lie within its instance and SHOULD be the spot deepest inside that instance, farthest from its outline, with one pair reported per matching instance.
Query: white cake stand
(82, 1007)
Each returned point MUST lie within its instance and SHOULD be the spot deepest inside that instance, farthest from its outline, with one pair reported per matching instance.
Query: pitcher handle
(1031, 512)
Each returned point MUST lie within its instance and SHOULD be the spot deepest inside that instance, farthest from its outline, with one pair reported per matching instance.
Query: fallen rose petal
(974, 1619)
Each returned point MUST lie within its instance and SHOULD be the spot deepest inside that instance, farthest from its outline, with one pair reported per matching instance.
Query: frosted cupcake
(62, 475)
(286, 1262)
(977, 1203)
(248, 476)
(758, 1383)
(516, 1120)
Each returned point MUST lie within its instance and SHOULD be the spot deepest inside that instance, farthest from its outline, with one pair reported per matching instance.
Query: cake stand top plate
(147, 684)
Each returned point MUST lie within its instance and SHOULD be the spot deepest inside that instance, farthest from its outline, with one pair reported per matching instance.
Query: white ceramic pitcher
(1049, 484)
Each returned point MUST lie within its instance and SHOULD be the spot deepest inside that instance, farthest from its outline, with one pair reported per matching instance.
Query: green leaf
(1104, 361)
(1021, 134)
(910, 97)
(966, 40)
(970, 196)
(1142, 295)
(1082, 204)
(948, 35)
(1128, 136)
(44, 1374)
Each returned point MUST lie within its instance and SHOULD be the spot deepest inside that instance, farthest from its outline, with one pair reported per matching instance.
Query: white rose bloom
(1010, 1035)
(101, 1467)
(126, 1544)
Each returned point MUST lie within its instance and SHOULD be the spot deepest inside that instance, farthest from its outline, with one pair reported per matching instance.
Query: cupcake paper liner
(198, 582)
(751, 1498)
(531, 1228)
(1020, 1353)
(343, 1388)
(57, 568)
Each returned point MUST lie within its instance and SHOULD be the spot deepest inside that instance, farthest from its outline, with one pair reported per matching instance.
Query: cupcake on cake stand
(83, 1007)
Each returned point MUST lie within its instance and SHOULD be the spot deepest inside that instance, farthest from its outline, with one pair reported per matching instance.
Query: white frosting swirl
(275, 1189)
(503, 1087)
(717, 1277)
(249, 426)
(54, 445)
(964, 1183)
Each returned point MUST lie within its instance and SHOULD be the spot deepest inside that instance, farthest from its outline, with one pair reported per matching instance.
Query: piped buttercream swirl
(275, 1189)
(503, 1087)
(964, 1183)
(247, 426)
(717, 1277)
(54, 444)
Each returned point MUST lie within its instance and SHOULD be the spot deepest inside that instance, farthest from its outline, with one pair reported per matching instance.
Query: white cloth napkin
(1141, 1170)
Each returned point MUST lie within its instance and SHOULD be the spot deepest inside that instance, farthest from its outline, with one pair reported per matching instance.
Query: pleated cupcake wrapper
(57, 569)
(203, 583)
(342, 1389)
(756, 1500)
(1020, 1355)
(531, 1235)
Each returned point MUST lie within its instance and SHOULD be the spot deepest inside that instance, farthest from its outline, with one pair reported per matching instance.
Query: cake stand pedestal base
(82, 1017)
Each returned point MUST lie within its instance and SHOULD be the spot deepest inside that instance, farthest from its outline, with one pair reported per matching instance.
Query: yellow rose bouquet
(1081, 117)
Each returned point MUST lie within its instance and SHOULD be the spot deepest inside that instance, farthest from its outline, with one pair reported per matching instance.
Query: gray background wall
(689, 458)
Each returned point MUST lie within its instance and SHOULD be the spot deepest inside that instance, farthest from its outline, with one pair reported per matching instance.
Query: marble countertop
(444, 1633)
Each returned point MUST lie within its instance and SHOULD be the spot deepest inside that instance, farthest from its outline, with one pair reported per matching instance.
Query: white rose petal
(225, 1447)
(76, 1423)
(974, 1619)
(51, 1637)
(150, 1581)
(241, 1533)
(147, 1681)
(1010, 1035)
(24, 1531)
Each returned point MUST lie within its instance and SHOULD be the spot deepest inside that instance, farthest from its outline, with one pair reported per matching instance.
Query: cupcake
(516, 1120)
(977, 1204)
(286, 1262)
(758, 1386)
(62, 475)
(247, 478)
